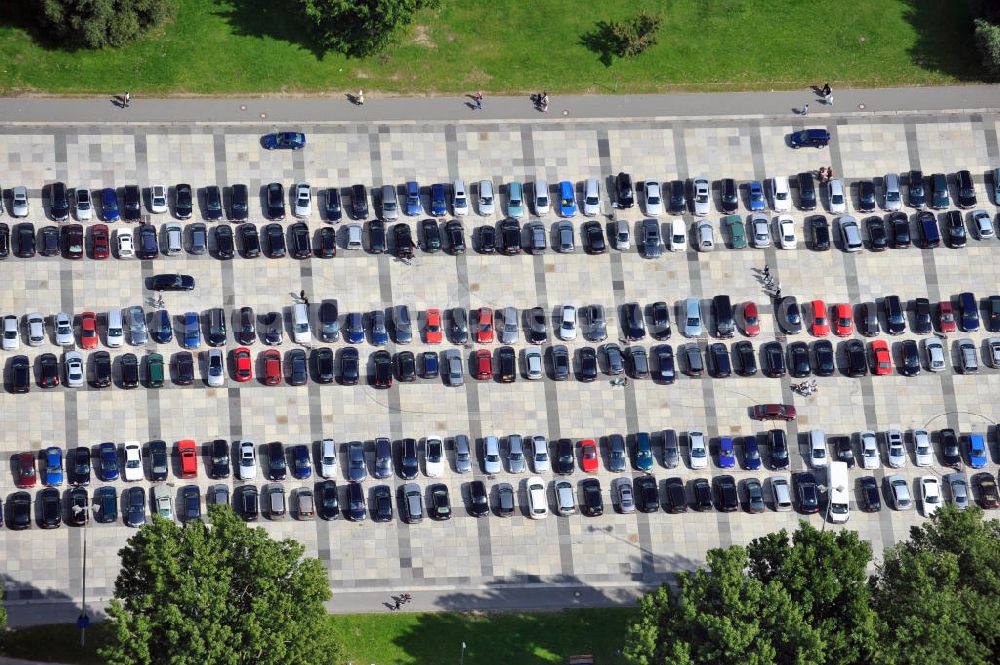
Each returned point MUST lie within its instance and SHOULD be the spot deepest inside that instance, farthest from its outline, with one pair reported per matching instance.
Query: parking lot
(465, 552)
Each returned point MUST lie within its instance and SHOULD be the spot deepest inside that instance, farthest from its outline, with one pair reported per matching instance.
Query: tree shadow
(601, 41)
(250, 18)
(945, 39)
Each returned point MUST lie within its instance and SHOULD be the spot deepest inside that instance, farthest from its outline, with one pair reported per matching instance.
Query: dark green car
(737, 232)
(154, 370)
(106, 504)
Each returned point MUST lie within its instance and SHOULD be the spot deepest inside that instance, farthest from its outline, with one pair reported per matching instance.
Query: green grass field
(432, 638)
(506, 46)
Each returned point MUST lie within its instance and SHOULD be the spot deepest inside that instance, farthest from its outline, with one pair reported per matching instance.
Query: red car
(244, 366)
(272, 367)
(189, 458)
(102, 245)
(881, 360)
(25, 470)
(946, 317)
(88, 330)
(774, 412)
(484, 325)
(433, 330)
(821, 324)
(843, 320)
(588, 455)
(484, 365)
(751, 320)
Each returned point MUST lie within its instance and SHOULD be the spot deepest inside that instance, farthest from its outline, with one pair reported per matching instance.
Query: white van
(591, 197)
(541, 192)
(486, 205)
(781, 196)
(678, 236)
(301, 332)
(459, 198)
(839, 508)
(116, 328)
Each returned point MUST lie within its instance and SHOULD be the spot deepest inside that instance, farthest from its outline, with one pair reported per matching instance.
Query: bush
(988, 42)
(360, 27)
(635, 35)
(98, 23)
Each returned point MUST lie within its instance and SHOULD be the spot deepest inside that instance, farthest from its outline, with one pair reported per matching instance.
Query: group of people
(541, 100)
(806, 388)
(825, 173)
(401, 599)
(827, 93)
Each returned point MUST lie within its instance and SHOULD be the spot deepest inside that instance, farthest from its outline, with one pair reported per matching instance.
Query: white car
(11, 333)
(654, 198)
(533, 362)
(983, 225)
(930, 491)
(538, 505)
(36, 329)
(895, 450)
(246, 468)
(699, 453)
(678, 236)
(303, 200)
(782, 494)
(126, 248)
(459, 198)
(84, 204)
(215, 369)
(786, 232)
(922, 447)
(19, 201)
(75, 372)
(781, 196)
(869, 450)
(898, 493)
(567, 323)
(760, 230)
(702, 196)
(540, 453)
(591, 197)
(174, 233)
(158, 198)
(64, 329)
(817, 449)
(328, 458)
(491, 456)
(487, 206)
(133, 461)
(993, 351)
(163, 504)
(433, 456)
(706, 237)
(838, 201)
(850, 234)
(301, 330)
(935, 354)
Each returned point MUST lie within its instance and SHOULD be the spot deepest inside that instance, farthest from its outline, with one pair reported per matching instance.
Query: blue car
(355, 328)
(567, 199)
(977, 451)
(811, 138)
(643, 452)
(108, 462)
(192, 330)
(757, 201)
(439, 204)
(413, 206)
(301, 466)
(109, 205)
(53, 466)
(380, 334)
(285, 141)
(161, 328)
(727, 453)
(751, 454)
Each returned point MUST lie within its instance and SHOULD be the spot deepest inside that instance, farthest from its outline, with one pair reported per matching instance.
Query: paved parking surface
(465, 556)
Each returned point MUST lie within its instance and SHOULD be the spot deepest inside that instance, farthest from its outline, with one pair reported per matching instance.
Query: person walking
(777, 293)
(545, 101)
(398, 603)
(767, 271)
(828, 94)
(829, 173)
(360, 98)
(126, 99)
(822, 174)
(805, 110)
(479, 100)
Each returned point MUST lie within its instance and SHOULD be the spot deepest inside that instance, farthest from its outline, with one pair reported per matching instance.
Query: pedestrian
(828, 94)
(545, 101)
(398, 603)
(479, 100)
(302, 295)
(407, 597)
(777, 293)
(767, 270)
(805, 110)
(360, 98)
(126, 99)
(829, 173)
(822, 174)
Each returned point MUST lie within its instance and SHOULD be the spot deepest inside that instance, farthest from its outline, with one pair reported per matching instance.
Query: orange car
(843, 320)
(88, 330)
(433, 330)
(189, 458)
(881, 360)
(821, 324)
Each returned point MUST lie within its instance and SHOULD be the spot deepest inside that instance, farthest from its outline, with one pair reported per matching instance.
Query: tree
(99, 23)
(635, 35)
(221, 595)
(939, 592)
(3, 618)
(987, 36)
(360, 27)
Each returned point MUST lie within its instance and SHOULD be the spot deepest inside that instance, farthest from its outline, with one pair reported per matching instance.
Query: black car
(510, 237)
(49, 508)
(298, 372)
(857, 363)
(878, 236)
(868, 319)
(820, 233)
(693, 364)
(326, 245)
(505, 499)
(966, 190)
(250, 240)
(19, 506)
(798, 359)
(322, 358)
(676, 499)
(487, 240)
(647, 494)
(624, 190)
(172, 282)
(729, 195)
(248, 502)
(301, 244)
(807, 191)
(659, 315)
(135, 506)
(48, 370)
(587, 358)
(132, 210)
(183, 201)
(633, 324)
(245, 329)
(956, 229)
(159, 463)
(58, 202)
(184, 367)
(406, 366)
(220, 459)
(665, 368)
(49, 241)
(349, 366)
(678, 196)
(899, 226)
(506, 365)
(20, 374)
(910, 364)
(866, 196)
(592, 504)
(950, 452)
(276, 201)
(403, 241)
(225, 247)
(702, 491)
(381, 503)
(429, 366)
(357, 507)
(565, 461)
(560, 362)
(917, 193)
(409, 466)
(841, 446)
(274, 234)
(331, 205)
(991, 313)
(129, 370)
(922, 323)
(789, 316)
(871, 501)
(930, 234)
(744, 360)
(537, 333)
(455, 234)
(79, 506)
(772, 359)
(479, 502)
(808, 492)
(328, 503)
(727, 498)
(213, 203)
(894, 316)
(382, 366)
(376, 236)
(72, 241)
(824, 357)
(25, 234)
(146, 244)
(439, 503)
(276, 464)
(431, 234)
(80, 471)
(4, 240)
(359, 202)
(240, 203)
(718, 360)
(593, 238)
(777, 445)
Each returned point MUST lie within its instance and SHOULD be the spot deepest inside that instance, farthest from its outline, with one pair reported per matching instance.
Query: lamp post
(461, 658)
(83, 621)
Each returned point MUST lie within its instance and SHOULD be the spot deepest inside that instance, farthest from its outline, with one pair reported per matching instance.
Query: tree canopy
(223, 594)
(360, 27)
(98, 23)
(808, 598)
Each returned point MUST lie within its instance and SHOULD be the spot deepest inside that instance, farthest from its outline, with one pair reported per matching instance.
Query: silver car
(654, 198)
(533, 363)
(959, 489)
(137, 331)
(507, 325)
(246, 469)
(625, 495)
(702, 196)
(760, 230)
(565, 500)
(564, 234)
(453, 367)
(515, 454)
(781, 494)
(75, 372)
(491, 455)
(967, 354)
(540, 453)
(19, 201)
(11, 333)
(597, 324)
(36, 329)
(463, 454)
(215, 370)
(935, 354)
(64, 329)
(163, 504)
(850, 234)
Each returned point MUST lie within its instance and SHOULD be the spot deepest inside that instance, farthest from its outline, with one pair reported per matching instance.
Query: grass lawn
(403, 638)
(248, 47)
